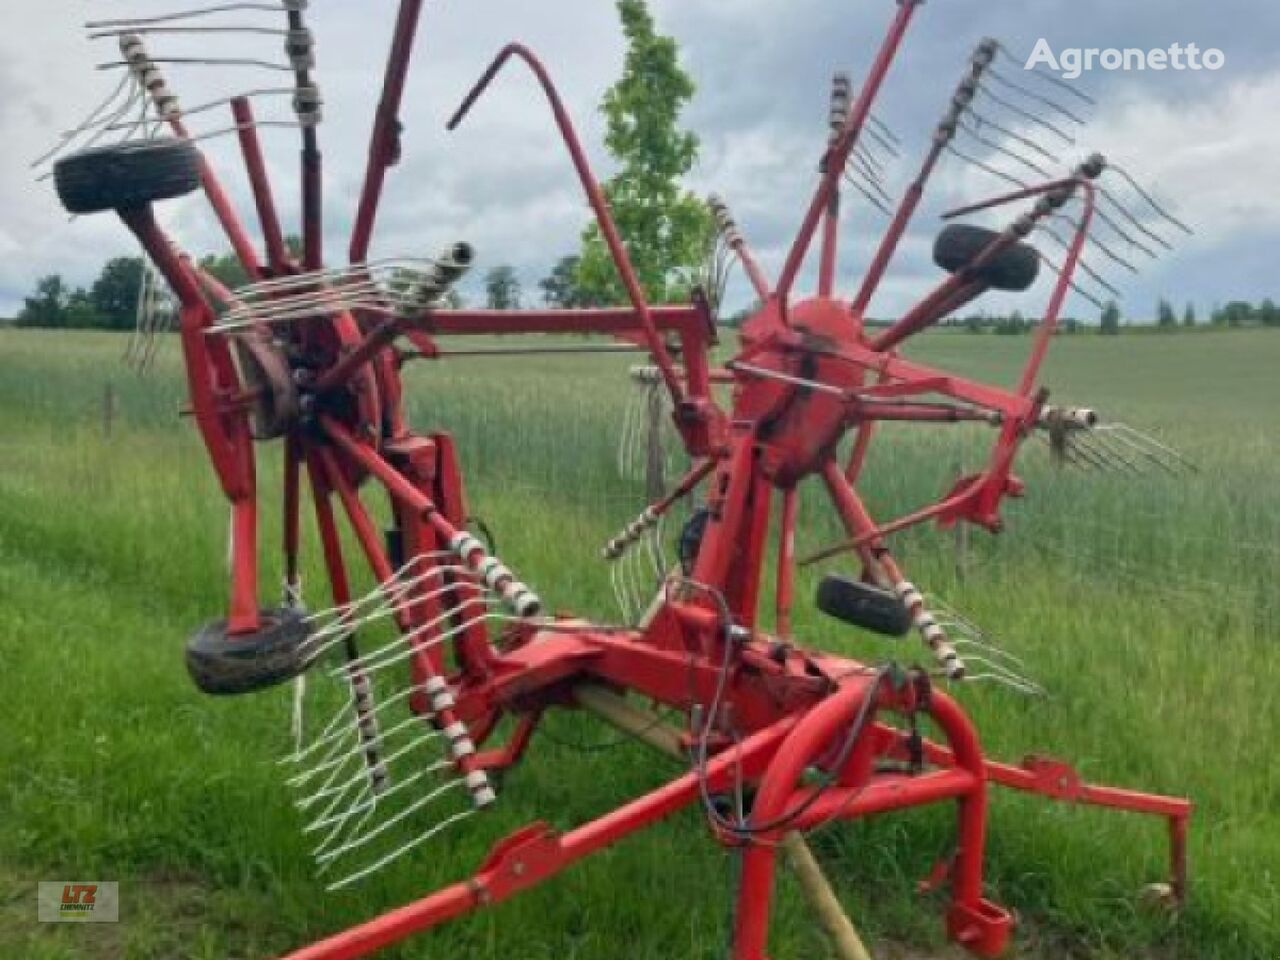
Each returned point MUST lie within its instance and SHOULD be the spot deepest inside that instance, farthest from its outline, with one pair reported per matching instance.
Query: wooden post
(817, 890)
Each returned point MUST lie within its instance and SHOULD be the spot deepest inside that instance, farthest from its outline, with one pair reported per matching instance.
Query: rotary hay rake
(779, 738)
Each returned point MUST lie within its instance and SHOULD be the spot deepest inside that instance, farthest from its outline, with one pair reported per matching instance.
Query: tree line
(1111, 322)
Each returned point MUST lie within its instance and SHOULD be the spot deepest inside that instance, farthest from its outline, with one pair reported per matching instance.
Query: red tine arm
(384, 146)
(838, 155)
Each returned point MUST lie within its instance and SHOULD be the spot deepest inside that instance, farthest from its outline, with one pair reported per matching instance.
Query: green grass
(1147, 606)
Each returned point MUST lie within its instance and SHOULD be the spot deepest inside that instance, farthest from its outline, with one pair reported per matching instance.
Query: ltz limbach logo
(78, 898)
(1074, 61)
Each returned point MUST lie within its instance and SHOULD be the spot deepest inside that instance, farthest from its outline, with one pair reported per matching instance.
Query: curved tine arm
(595, 196)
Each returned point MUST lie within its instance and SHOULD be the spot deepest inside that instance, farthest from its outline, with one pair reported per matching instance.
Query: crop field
(1147, 606)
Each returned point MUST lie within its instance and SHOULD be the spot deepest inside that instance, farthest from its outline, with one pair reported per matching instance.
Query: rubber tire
(124, 175)
(863, 605)
(225, 665)
(1014, 269)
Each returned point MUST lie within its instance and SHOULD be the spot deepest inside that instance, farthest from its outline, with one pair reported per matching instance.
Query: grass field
(1147, 606)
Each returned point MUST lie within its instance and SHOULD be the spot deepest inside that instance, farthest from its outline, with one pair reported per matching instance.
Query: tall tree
(560, 287)
(1110, 323)
(1189, 315)
(1166, 318)
(502, 288)
(665, 227)
(114, 294)
(47, 307)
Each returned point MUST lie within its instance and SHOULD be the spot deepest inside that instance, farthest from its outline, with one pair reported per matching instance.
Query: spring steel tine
(964, 633)
(1105, 249)
(390, 591)
(994, 658)
(188, 31)
(67, 136)
(1071, 454)
(985, 167)
(357, 752)
(339, 731)
(1094, 455)
(1093, 441)
(1140, 440)
(205, 62)
(423, 738)
(1004, 49)
(1004, 151)
(1125, 212)
(360, 841)
(373, 800)
(1110, 221)
(224, 101)
(406, 648)
(1032, 95)
(135, 96)
(984, 121)
(396, 854)
(1096, 301)
(870, 178)
(1160, 210)
(870, 197)
(256, 125)
(1115, 441)
(339, 636)
(867, 161)
(878, 131)
(187, 15)
(1026, 115)
(1084, 264)
(885, 130)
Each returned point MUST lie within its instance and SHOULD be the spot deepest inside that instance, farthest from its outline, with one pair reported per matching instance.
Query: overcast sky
(1208, 142)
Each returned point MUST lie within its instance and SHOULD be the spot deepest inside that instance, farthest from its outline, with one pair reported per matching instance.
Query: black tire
(125, 175)
(223, 665)
(863, 605)
(1014, 268)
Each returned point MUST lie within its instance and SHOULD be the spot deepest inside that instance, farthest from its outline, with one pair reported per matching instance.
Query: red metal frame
(807, 374)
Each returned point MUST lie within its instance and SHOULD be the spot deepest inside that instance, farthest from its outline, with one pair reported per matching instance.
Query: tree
(114, 295)
(48, 307)
(1166, 318)
(1237, 313)
(80, 312)
(665, 227)
(502, 288)
(560, 287)
(1189, 315)
(1110, 322)
(1268, 314)
(226, 269)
